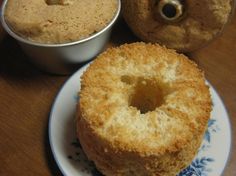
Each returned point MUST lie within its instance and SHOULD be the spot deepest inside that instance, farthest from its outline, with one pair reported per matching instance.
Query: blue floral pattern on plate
(198, 167)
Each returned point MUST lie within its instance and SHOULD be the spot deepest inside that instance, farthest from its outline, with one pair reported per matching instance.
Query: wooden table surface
(26, 96)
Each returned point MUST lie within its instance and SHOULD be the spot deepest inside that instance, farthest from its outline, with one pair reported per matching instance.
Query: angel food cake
(143, 111)
(58, 21)
(200, 22)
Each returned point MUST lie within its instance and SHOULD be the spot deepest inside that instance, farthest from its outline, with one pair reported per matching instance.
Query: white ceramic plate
(210, 160)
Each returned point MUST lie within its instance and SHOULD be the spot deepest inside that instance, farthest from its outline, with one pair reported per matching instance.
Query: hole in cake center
(169, 10)
(147, 96)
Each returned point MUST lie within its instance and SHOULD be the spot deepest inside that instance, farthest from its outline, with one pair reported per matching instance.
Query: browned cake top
(144, 98)
(69, 20)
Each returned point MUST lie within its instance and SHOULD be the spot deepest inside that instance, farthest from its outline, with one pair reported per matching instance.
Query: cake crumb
(62, 22)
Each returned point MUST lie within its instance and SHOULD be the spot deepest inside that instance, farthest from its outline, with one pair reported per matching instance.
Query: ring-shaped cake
(143, 110)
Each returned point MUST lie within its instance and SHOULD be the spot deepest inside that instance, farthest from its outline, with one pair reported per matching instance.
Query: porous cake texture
(143, 111)
(58, 21)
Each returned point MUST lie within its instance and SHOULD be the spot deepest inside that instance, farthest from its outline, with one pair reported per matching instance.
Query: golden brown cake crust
(202, 22)
(122, 140)
(70, 21)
